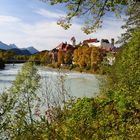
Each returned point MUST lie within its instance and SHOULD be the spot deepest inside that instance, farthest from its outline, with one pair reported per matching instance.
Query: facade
(105, 46)
(53, 54)
(63, 50)
(63, 53)
(91, 42)
(104, 43)
(64, 47)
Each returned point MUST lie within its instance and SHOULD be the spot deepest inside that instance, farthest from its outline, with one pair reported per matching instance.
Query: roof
(64, 46)
(90, 40)
(61, 46)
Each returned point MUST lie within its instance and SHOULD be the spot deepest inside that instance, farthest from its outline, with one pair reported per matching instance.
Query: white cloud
(8, 19)
(47, 35)
(50, 14)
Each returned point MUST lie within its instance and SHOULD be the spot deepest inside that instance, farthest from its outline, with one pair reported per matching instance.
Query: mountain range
(19, 51)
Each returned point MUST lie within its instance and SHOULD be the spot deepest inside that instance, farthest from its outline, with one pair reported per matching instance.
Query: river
(77, 84)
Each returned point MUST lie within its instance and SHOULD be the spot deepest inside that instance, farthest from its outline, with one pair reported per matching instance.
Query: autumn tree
(96, 57)
(68, 57)
(45, 59)
(60, 57)
(88, 57)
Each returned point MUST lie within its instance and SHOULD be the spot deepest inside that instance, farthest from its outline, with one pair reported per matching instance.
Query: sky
(34, 23)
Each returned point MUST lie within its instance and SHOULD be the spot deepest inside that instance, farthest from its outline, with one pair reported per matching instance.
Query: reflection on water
(78, 83)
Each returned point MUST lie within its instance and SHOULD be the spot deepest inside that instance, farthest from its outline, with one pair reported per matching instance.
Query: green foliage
(104, 66)
(45, 59)
(132, 22)
(21, 57)
(126, 71)
(10, 55)
(17, 103)
(5, 55)
(97, 118)
(35, 57)
(78, 120)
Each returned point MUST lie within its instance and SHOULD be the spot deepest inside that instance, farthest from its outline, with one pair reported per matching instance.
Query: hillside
(18, 51)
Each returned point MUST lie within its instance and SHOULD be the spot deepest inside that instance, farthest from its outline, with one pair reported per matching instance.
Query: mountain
(20, 52)
(32, 50)
(26, 52)
(4, 46)
(12, 46)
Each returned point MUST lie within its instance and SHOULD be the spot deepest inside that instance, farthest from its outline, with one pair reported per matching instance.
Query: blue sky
(33, 23)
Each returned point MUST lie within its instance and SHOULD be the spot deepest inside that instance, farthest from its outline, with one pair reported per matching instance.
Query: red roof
(90, 40)
(64, 46)
(61, 46)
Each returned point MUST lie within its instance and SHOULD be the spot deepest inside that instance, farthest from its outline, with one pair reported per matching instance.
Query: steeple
(73, 40)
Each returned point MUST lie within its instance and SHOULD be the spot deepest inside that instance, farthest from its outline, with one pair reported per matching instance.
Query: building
(91, 42)
(97, 43)
(73, 40)
(65, 51)
(64, 47)
(53, 54)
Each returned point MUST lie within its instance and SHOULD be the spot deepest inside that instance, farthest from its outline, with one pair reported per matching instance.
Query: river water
(78, 84)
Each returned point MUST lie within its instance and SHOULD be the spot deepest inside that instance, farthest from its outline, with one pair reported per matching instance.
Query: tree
(93, 10)
(126, 70)
(132, 22)
(96, 57)
(88, 57)
(82, 56)
(68, 57)
(60, 57)
(6, 55)
(17, 103)
(45, 59)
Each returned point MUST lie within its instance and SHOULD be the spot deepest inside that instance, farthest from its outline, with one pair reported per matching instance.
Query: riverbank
(68, 70)
(72, 68)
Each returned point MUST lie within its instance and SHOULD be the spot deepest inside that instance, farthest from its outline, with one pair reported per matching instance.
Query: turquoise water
(76, 84)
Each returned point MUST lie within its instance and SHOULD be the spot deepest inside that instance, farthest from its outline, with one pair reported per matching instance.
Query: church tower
(73, 40)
